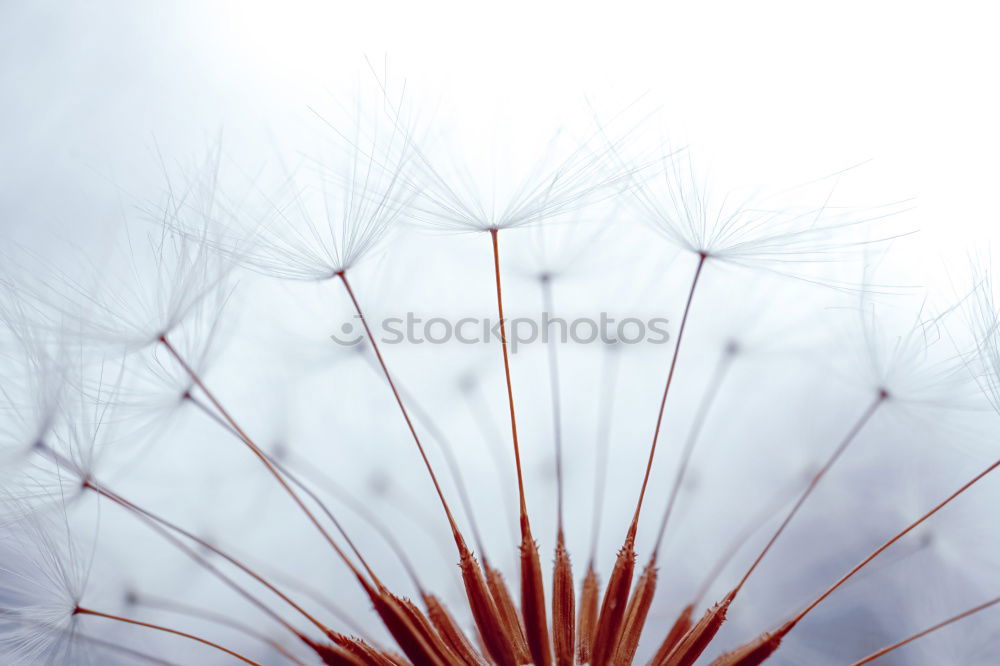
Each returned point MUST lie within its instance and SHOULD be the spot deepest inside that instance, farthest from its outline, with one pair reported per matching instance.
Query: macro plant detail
(194, 473)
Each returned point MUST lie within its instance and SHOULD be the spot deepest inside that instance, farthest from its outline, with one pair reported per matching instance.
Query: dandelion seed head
(907, 353)
(164, 270)
(771, 233)
(44, 581)
(569, 175)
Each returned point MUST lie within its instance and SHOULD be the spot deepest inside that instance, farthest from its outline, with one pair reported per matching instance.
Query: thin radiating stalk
(548, 305)
(591, 587)
(383, 530)
(301, 486)
(168, 630)
(164, 527)
(685, 619)
(563, 601)
(454, 469)
(834, 457)
(259, 453)
(613, 609)
(609, 385)
(532, 589)
(666, 392)
(402, 408)
(758, 521)
(309, 590)
(642, 596)
(909, 528)
(307, 469)
(120, 649)
(687, 651)
(398, 619)
(920, 634)
(159, 523)
(401, 628)
(216, 618)
(510, 390)
(701, 416)
(484, 609)
(479, 410)
(762, 647)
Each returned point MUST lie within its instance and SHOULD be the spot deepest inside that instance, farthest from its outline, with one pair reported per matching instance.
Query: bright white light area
(767, 94)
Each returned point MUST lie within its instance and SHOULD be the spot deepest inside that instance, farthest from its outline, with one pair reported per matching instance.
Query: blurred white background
(773, 92)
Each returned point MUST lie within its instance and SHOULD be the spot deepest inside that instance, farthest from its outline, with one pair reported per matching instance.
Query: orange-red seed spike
(587, 623)
(563, 606)
(635, 616)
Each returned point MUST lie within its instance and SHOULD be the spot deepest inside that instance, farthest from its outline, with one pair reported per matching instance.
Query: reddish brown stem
(851, 435)
(402, 408)
(295, 480)
(609, 380)
(532, 589)
(961, 616)
(175, 632)
(878, 551)
(666, 391)
(217, 618)
(759, 520)
(156, 520)
(448, 450)
(548, 302)
(484, 612)
(259, 453)
(613, 607)
(510, 388)
(701, 416)
(162, 525)
(479, 410)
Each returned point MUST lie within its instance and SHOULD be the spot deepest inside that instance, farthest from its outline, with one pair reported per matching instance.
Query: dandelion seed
(319, 232)
(171, 272)
(155, 627)
(40, 614)
(45, 577)
(750, 232)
